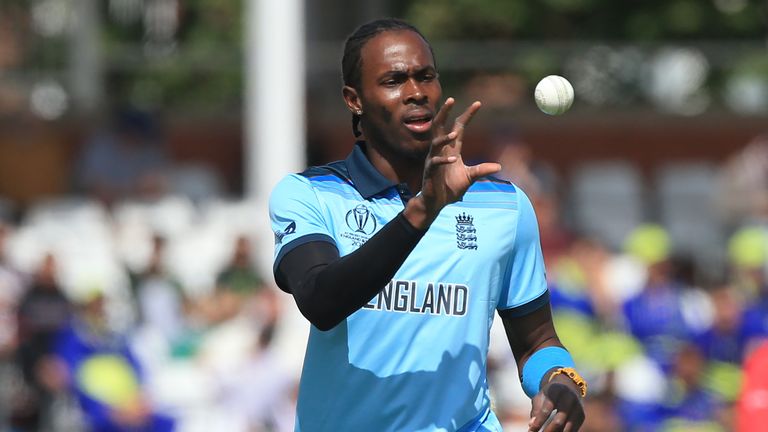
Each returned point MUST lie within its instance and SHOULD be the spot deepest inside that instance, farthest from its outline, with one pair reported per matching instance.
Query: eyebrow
(398, 70)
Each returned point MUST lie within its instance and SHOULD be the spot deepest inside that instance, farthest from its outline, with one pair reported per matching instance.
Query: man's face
(398, 93)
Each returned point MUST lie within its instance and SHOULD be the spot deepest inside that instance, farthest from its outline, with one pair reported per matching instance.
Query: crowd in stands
(146, 354)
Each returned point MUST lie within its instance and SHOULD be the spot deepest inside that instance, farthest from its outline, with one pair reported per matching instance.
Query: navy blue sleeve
(329, 288)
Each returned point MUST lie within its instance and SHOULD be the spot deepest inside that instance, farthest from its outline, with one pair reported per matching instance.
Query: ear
(352, 99)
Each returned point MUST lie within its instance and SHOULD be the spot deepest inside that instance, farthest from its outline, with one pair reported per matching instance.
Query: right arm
(328, 288)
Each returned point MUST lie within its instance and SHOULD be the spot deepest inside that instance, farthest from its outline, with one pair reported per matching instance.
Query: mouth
(418, 122)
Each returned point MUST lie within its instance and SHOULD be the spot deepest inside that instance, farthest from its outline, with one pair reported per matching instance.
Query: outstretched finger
(482, 170)
(442, 115)
(443, 160)
(463, 120)
(575, 412)
(436, 161)
(442, 141)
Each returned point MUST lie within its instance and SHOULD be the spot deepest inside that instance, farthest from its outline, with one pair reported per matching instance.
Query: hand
(446, 178)
(560, 394)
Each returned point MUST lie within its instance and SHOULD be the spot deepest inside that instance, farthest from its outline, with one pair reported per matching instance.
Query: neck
(396, 168)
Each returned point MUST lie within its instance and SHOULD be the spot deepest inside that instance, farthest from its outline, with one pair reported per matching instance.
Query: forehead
(394, 50)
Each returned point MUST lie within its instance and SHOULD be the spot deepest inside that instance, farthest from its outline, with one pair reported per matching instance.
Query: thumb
(482, 170)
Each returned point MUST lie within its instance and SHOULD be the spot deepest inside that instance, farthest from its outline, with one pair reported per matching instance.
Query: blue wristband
(539, 363)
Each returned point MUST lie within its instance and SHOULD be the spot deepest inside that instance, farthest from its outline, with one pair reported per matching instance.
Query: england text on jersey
(438, 298)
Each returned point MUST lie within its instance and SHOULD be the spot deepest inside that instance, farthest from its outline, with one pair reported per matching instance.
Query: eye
(393, 80)
(428, 76)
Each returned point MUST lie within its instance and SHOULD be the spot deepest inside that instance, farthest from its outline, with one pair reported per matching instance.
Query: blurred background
(139, 140)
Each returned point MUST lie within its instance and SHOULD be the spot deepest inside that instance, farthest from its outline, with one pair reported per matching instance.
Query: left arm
(527, 318)
(528, 335)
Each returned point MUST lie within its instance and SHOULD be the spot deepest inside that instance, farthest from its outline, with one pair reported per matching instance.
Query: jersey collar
(366, 178)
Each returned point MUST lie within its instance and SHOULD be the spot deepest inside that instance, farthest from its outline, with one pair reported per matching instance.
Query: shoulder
(312, 177)
(493, 184)
(334, 172)
(491, 189)
(492, 192)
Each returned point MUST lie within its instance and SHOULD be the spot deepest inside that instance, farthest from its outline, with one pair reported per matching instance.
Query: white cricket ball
(554, 95)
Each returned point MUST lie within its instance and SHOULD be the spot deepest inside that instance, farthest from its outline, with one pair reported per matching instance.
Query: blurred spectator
(656, 316)
(240, 275)
(578, 281)
(126, 160)
(248, 381)
(159, 297)
(104, 374)
(725, 340)
(689, 404)
(752, 407)
(748, 252)
(748, 259)
(261, 393)
(42, 313)
(640, 388)
(724, 345)
(240, 288)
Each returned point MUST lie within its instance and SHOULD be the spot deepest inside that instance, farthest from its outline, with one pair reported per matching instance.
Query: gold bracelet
(574, 376)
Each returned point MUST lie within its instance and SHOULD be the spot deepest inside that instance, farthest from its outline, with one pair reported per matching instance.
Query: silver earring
(359, 112)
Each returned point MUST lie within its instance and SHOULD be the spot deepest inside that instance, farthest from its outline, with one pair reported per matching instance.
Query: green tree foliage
(198, 69)
(630, 20)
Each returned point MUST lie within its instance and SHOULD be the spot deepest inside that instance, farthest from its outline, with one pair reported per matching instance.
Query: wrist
(539, 367)
(416, 213)
(567, 376)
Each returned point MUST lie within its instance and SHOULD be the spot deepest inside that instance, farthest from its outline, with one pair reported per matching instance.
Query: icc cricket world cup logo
(360, 220)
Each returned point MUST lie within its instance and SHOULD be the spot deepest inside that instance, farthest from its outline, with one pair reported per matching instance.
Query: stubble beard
(402, 148)
(412, 153)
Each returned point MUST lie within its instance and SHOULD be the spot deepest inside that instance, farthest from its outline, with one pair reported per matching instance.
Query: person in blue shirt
(400, 255)
(725, 340)
(104, 374)
(656, 316)
(688, 401)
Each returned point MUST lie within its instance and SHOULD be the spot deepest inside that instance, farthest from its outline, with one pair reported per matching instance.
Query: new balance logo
(279, 235)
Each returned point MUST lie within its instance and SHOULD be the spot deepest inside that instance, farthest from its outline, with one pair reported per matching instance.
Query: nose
(413, 92)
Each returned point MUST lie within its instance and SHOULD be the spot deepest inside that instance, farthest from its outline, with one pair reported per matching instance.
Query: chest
(463, 242)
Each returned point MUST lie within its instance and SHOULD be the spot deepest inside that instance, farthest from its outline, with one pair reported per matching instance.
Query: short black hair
(352, 61)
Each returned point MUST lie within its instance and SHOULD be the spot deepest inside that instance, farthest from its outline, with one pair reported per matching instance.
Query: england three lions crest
(466, 234)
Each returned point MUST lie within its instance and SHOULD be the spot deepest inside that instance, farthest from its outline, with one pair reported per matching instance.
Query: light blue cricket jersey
(414, 357)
